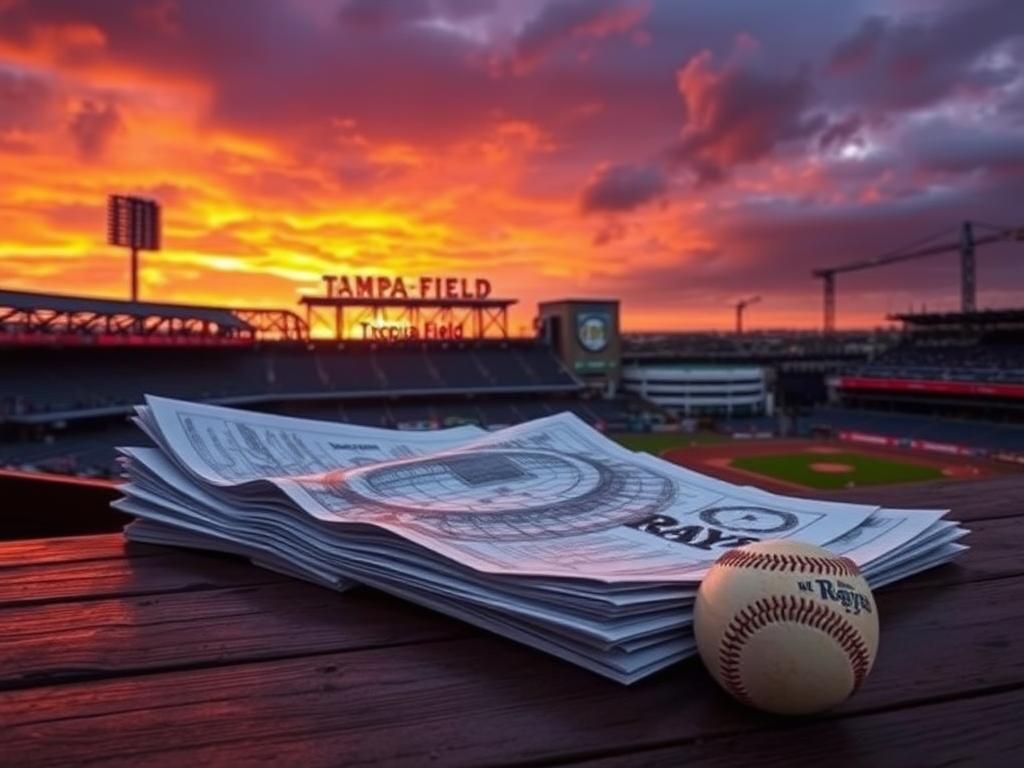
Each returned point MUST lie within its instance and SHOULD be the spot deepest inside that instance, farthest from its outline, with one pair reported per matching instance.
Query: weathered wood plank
(973, 732)
(48, 644)
(996, 547)
(968, 500)
(481, 699)
(995, 544)
(990, 498)
(462, 701)
(159, 600)
(165, 570)
(71, 549)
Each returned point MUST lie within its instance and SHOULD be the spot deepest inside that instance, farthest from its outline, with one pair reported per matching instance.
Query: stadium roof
(981, 317)
(26, 301)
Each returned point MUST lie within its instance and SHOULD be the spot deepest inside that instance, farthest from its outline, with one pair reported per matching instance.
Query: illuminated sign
(397, 288)
(593, 330)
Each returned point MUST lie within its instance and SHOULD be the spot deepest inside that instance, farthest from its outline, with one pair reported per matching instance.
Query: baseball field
(836, 470)
(659, 442)
(787, 465)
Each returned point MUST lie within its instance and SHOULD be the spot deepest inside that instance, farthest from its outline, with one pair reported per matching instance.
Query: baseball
(786, 627)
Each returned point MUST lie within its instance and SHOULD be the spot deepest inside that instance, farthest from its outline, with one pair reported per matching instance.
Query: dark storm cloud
(464, 9)
(770, 249)
(947, 148)
(623, 188)
(858, 50)
(381, 13)
(737, 115)
(912, 62)
(564, 20)
(782, 242)
(93, 126)
(841, 131)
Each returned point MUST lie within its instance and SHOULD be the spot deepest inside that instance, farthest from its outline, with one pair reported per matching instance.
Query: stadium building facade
(701, 390)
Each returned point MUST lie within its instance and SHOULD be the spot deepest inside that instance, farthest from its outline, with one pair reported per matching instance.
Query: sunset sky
(677, 155)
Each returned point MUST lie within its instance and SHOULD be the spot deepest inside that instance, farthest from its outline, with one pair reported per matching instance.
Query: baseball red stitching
(773, 610)
(832, 566)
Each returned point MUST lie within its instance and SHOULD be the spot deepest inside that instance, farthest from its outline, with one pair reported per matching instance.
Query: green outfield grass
(659, 442)
(867, 470)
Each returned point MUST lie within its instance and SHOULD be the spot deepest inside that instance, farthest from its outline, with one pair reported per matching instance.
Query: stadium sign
(381, 287)
(398, 308)
(593, 331)
(430, 331)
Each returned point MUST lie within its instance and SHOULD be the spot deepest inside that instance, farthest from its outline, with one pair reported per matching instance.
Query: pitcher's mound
(831, 468)
(961, 471)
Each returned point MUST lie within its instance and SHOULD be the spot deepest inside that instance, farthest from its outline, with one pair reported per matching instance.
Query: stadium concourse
(74, 368)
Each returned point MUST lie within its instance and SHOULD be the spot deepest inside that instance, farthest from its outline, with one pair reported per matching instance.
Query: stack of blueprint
(546, 532)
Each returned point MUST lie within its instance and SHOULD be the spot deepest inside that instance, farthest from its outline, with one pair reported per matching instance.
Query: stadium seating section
(64, 410)
(76, 383)
(989, 362)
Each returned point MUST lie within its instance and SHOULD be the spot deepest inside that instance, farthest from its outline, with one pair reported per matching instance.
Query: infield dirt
(716, 460)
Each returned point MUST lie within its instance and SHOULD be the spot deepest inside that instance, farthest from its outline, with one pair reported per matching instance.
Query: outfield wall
(886, 441)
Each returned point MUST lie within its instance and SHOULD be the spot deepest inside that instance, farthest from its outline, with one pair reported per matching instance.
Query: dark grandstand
(966, 364)
(952, 378)
(769, 346)
(985, 346)
(73, 369)
(948, 381)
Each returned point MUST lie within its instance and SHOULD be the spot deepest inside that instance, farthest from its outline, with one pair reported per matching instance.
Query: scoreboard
(133, 222)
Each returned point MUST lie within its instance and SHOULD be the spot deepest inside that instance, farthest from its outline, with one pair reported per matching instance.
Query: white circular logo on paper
(593, 333)
(750, 519)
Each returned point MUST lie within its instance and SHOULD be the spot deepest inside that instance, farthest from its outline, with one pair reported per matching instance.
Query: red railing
(931, 387)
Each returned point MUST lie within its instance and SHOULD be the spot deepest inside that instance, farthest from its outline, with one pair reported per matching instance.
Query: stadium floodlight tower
(740, 308)
(133, 222)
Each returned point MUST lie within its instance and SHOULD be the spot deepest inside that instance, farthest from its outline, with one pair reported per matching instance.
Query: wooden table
(130, 655)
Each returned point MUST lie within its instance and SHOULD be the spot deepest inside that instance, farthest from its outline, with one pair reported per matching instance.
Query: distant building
(693, 389)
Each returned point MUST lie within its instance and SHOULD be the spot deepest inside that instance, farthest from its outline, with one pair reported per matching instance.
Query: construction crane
(966, 244)
(740, 307)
